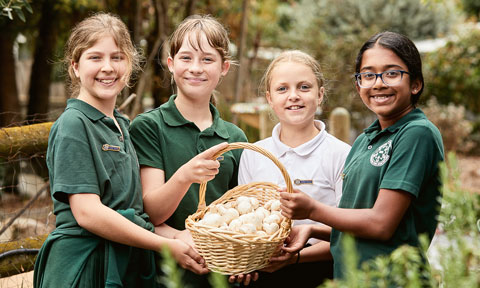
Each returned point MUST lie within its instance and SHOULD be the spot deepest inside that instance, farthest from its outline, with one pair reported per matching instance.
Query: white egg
(254, 202)
(268, 205)
(235, 225)
(275, 205)
(261, 233)
(230, 214)
(272, 218)
(262, 212)
(242, 199)
(248, 229)
(213, 219)
(244, 207)
(270, 228)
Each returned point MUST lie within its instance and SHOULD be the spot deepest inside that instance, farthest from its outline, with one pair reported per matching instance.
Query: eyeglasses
(389, 78)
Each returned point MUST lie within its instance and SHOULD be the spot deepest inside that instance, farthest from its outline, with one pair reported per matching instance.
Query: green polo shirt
(87, 154)
(404, 156)
(164, 139)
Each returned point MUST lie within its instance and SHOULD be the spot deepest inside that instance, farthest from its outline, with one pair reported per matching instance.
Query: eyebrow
(385, 67)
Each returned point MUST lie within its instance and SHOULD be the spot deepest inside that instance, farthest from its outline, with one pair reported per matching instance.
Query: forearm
(318, 252)
(109, 224)
(165, 230)
(321, 232)
(162, 201)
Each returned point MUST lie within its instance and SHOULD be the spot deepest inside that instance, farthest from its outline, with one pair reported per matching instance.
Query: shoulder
(71, 122)
(336, 145)
(234, 131)
(421, 129)
(150, 116)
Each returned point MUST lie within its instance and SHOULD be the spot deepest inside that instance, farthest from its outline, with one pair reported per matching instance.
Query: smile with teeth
(296, 107)
(106, 81)
(380, 97)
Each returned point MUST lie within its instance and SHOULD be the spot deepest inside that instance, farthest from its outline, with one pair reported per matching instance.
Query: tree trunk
(241, 47)
(22, 255)
(40, 78)
(9, 103)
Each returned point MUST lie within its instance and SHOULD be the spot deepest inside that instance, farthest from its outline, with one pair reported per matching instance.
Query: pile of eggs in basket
(246, 216)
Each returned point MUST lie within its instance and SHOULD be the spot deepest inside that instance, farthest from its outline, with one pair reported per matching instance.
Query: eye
(118, 57)
(281, 89)
(208, 59)
(391, 73)
(367, 76)
(94, 57)
(185, 58)
(304, 87)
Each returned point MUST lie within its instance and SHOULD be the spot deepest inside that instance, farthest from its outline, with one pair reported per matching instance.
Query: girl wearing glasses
(391, 185)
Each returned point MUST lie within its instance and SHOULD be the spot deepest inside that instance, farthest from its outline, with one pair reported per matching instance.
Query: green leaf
(20, 14)
(27, 6)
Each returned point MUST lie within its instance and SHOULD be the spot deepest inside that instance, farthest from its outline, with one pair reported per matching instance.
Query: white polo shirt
(315, 167)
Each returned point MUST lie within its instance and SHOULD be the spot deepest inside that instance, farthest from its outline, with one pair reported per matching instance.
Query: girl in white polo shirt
(314, 159)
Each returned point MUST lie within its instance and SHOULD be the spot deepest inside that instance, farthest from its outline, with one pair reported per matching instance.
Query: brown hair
(90, 30)
(292, 56)
(217, 35)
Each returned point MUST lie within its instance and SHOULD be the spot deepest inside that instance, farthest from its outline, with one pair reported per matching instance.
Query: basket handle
(244, 145)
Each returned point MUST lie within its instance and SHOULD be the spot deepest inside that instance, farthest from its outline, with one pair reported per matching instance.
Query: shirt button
(120, 138)
(369, 147)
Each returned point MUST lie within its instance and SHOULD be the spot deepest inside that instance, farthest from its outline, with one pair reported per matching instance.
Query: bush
(451, 122)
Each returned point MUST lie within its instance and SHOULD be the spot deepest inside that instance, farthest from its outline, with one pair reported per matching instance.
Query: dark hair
(404, 48)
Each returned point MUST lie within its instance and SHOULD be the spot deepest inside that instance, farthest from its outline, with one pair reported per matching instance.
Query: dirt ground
(469, 177)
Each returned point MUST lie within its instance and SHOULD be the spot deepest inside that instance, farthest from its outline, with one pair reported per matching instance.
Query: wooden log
(19, 256)
(25, 140)
(340, 124)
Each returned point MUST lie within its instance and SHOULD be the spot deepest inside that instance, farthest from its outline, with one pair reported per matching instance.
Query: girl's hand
(187, 257)
(295, 242)
(297, 205)
(185, 236)
(202, 168)
(243, 278)
(279, 261)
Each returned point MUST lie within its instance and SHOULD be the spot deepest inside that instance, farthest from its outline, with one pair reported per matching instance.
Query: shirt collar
(174, 118)
(91, 112)
(375, 129)
(305, 149)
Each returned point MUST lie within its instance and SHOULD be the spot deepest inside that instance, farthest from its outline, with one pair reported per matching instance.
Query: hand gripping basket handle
(244, 145)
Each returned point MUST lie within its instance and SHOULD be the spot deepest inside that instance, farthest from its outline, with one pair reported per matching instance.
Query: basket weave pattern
(229, 252)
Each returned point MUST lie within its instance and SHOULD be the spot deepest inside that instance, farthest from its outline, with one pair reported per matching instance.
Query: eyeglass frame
(381, 77)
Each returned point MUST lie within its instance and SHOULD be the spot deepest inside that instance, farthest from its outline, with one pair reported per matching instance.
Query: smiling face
(197, 70)
(390, 103)
(294, 94)
(101, 70)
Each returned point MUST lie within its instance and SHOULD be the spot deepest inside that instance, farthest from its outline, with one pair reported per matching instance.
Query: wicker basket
(229, 252)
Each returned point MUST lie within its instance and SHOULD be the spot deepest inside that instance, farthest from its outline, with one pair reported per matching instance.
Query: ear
(357, 87)
(225, 67)
(170, 64)
(75, 68)
(416, 86)
(321, 92)
(269, 98)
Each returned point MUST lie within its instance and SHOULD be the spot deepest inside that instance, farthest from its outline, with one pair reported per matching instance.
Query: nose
(195, 67)
(379, 81)
(107, 66)
(293, 95)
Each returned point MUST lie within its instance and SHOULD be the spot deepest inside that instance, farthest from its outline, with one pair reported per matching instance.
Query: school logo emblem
(381, 156)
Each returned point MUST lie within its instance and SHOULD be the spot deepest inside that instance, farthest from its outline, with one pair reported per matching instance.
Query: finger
(208, 154)
(285, 196)
(240, 278)
(255, 276)
(232, 279)
(247, 280)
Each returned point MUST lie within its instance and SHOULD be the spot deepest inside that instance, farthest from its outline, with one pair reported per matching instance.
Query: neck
(106, 107)
(197, 112)
(387, 122)
(294, 136)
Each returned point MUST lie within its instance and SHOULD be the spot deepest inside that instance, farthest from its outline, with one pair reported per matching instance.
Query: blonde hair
(86, 33)
(292, 56)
